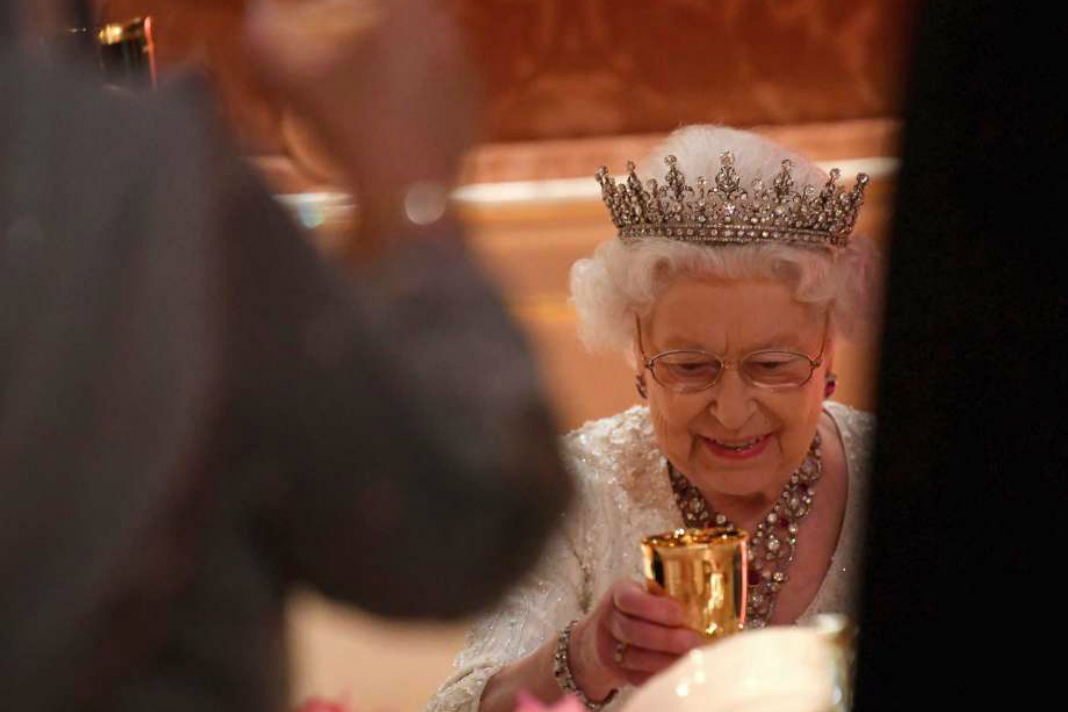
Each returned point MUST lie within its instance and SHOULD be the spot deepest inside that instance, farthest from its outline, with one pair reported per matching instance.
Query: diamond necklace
(772, 546)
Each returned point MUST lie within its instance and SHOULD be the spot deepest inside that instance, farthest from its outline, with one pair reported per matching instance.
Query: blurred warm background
(569, 85)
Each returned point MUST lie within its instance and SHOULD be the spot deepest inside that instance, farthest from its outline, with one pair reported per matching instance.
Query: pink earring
(639, 385)
(832, 385)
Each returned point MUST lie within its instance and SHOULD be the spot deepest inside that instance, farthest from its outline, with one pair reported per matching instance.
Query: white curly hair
(620, 281)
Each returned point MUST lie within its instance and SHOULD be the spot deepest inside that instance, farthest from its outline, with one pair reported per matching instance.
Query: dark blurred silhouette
(197, 411)
(7, 21)
(971, 456)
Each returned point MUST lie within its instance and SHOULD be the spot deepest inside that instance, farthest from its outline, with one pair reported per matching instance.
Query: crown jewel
(726, 213)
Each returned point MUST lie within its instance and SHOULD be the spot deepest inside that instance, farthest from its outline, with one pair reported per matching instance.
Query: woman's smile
(733, 449)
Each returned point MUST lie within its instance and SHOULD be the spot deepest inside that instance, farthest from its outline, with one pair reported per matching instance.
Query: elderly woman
(728, 295)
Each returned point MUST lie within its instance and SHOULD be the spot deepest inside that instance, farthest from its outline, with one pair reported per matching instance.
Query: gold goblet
(705, 571)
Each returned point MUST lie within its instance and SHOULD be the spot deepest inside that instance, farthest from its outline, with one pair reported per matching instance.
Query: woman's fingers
(631, 599)
(651, 636)
(641, 634)
(634, 659)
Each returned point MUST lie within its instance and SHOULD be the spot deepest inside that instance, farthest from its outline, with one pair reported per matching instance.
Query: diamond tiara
(725, 213)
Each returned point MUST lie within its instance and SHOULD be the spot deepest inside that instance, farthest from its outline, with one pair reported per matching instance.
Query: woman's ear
(830, 376)
(830, 340)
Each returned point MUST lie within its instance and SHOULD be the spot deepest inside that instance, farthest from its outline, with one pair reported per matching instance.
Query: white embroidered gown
(624, 495)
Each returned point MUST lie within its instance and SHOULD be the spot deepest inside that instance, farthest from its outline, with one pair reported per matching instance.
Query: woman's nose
(731, 404)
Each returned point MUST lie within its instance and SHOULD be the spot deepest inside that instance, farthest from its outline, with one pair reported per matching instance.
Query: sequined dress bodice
(624, 495)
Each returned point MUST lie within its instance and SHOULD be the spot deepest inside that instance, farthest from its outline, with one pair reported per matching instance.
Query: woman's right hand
(645, 628)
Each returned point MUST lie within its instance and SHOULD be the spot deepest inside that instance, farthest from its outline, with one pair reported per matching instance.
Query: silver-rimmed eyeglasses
(693, 370)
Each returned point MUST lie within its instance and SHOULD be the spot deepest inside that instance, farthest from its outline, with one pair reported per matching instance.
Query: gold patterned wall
(574, 68)
(564, 68)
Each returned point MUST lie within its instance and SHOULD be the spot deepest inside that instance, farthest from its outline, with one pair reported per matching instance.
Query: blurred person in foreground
(967, 506)
(198, 412)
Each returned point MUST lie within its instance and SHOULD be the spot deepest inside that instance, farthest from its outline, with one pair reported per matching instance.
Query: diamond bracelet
(562, 672)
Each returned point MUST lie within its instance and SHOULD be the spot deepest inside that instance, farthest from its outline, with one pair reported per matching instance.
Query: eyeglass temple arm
(818, 361)
(641, 349)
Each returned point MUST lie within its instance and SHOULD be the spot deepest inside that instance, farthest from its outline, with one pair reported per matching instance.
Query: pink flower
(528, 703)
